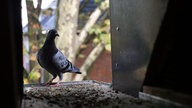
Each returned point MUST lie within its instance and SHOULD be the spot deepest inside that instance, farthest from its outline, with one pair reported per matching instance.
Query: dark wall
(170, 64)
(11, 54)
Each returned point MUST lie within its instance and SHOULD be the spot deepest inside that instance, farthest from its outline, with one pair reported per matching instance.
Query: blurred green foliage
(34, 75)
(97, 1)
(101, 31)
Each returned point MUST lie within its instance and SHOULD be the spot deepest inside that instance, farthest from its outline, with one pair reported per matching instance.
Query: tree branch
(89, 61)
(91, 21)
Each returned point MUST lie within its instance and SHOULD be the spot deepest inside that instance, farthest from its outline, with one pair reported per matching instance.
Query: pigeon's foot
(47, 84)
(50, 84)
(55, 84)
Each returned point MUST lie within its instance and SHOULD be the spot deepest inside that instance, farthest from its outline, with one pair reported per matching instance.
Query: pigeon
(53, 60)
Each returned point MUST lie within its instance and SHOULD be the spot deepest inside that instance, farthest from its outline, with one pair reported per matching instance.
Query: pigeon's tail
(72, 69)
(76, 70)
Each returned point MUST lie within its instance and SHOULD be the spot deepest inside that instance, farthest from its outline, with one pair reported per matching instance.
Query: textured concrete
(83, 94)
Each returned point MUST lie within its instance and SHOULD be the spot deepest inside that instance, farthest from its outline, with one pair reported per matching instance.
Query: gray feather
(62, 63)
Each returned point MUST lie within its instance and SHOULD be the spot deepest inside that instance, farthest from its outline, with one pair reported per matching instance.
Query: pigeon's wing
(63, 64)
(60, 61)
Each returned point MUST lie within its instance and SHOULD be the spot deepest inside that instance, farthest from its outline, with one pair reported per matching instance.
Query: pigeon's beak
(56, 34)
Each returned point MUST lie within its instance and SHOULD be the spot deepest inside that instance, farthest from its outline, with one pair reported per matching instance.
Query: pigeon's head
(52, 34)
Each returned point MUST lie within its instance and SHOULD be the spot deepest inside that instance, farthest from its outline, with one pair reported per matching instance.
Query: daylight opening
(84, 38)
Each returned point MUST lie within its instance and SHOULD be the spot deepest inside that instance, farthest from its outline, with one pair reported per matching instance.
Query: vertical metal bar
(134, 27)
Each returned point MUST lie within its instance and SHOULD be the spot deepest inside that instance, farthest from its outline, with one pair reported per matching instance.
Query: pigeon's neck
(50, 45)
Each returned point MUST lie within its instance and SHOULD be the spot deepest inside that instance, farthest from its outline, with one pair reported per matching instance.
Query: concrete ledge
(161, 101)
(71, 83)
(80, 94)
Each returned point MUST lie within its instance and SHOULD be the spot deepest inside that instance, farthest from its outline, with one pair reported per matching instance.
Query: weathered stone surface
(82, 94)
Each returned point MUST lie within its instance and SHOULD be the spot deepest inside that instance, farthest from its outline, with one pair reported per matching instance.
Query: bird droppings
(82, 94)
